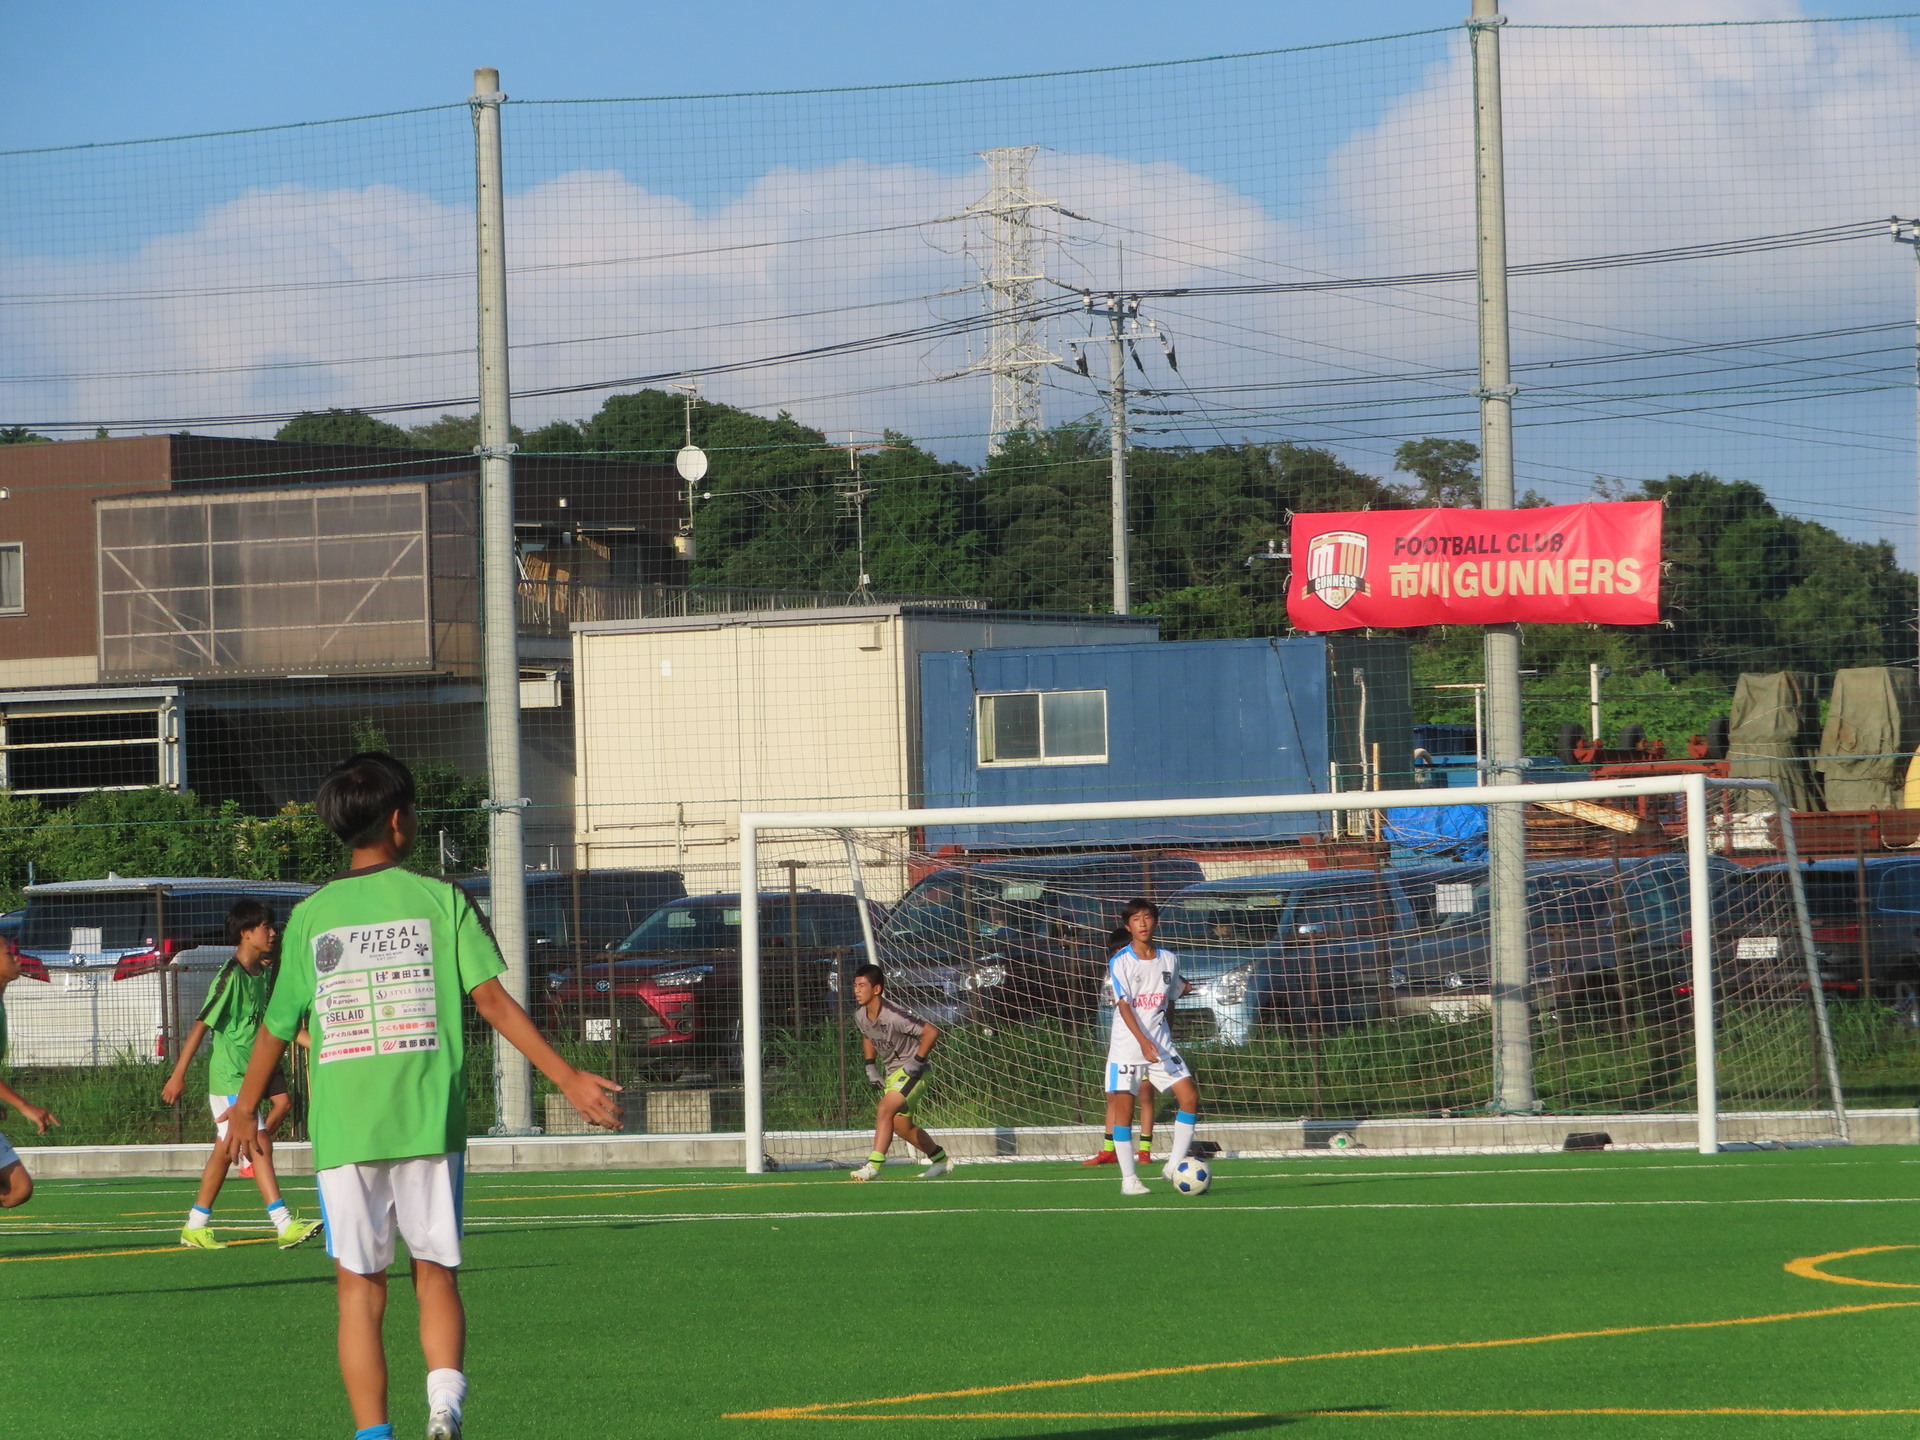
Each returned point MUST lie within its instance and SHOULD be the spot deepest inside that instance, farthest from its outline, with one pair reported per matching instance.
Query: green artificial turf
(655, 1304)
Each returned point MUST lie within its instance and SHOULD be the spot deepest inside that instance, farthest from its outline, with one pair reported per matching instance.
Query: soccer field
(1662, 1294)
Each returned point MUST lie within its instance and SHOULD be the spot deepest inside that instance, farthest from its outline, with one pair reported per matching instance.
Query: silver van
(121, 964)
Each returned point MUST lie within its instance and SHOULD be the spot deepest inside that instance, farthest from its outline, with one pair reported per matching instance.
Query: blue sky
(1346, 162)
(89, 70)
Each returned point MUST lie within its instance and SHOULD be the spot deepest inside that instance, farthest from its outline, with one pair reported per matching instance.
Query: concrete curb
(501, 1154)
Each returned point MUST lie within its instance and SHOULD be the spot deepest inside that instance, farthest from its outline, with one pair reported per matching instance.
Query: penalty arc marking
(1808, 1267)
(847, 1409)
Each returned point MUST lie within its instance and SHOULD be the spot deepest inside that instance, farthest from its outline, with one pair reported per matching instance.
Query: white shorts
(8, 1155)
(220, 1105)
(1163, 1074)
(364, 1206)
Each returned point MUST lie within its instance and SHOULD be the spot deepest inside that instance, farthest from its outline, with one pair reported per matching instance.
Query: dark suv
(669, 992)
(573, 915)
(1017, 941)
(1866, 922)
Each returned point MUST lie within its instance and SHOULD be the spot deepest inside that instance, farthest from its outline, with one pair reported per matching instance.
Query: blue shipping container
(1171, 721)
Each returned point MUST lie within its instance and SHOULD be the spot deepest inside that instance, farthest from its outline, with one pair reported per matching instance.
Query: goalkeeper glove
(915, 1066)
(874, 1077)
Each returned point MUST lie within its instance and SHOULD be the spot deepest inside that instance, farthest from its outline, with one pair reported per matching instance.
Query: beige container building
(680, 724)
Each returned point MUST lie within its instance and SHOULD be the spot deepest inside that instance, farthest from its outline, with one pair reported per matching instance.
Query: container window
(1039, 727)
(13, 579)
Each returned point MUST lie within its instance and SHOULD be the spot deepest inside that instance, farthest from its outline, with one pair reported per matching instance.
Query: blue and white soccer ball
(1191, 1177)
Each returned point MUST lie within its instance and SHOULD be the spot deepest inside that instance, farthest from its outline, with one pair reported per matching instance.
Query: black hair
(873, 974)
(1120, 935)
(359, 794)
(245, 915)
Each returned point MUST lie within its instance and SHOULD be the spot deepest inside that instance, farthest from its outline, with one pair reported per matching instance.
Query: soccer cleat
(936, 1170)
(443, 1424)
(868, 1171)
(297, 1232)
(1133, 1185)
(1146, 1157)
(201, 1238)
(1105, 1157)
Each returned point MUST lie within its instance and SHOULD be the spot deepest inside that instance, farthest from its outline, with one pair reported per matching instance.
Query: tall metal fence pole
(506, 858)
(1506, 824)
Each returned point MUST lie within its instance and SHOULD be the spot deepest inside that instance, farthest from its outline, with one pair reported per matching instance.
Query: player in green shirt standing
(380, 958)
(236, 1004)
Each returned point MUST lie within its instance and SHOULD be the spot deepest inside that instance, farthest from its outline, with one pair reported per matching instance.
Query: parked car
(1301, 949)
(1866, 922)
(1017, 941)
(573, 915)
(670, 991)
(1601, 934)
(113, 957)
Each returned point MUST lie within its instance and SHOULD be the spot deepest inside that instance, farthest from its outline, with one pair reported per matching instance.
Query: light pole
(1907, 232)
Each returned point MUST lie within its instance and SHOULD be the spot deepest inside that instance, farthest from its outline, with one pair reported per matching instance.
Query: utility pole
(1506, 824)
(1907, 232)
(853, 503)
(500, 606)
(1121, 311)
(1014, 352)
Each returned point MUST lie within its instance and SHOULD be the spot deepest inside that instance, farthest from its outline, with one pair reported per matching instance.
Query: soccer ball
(1191, 1177)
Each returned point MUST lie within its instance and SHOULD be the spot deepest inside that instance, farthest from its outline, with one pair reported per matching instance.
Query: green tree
(342, 427)
(1446, 470)
(456, 432)
(20, 435)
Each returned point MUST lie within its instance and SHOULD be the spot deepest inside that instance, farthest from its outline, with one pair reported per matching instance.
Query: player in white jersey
(1145, 981)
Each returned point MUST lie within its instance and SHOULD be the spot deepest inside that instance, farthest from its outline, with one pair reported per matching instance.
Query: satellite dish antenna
(691, 462)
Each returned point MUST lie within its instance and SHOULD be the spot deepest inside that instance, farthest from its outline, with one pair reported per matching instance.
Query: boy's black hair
(1120, 935)
(245, 915)
(872, 974)
(359, 794)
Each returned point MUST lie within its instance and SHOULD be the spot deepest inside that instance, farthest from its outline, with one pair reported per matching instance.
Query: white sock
(278, 1213)
(1123, 1147)
(446, 1390)
(1182, 1136)
(198, 1217)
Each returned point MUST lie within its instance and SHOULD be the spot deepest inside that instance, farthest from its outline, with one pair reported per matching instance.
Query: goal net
(1351, 972)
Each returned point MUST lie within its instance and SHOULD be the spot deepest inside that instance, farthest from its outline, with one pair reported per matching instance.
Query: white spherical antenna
(691, 462)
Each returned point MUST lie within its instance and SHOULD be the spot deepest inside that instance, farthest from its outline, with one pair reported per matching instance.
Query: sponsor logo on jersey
(327, 951)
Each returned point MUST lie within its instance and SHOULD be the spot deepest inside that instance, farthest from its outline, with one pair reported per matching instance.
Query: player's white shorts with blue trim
(8, 1155)
(1163, 1074)
(419, 1200)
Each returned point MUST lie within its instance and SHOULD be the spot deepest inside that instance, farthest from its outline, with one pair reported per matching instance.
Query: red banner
(1557, 564)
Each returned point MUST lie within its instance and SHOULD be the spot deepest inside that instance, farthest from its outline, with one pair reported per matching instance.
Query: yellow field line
(104, 1254)
(612, 1194)
(1808, 1267)
(1356, 1414)
(798, 1412)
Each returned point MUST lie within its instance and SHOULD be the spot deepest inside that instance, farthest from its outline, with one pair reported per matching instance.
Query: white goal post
(1697, 794)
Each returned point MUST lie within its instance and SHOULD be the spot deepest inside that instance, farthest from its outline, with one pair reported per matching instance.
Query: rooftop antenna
(691, 465)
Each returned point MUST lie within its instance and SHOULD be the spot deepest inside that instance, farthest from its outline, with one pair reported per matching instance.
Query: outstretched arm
(589, 1094)
(39, 1118)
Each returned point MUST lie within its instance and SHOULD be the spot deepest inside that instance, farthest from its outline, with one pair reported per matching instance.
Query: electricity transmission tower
(1012, 270)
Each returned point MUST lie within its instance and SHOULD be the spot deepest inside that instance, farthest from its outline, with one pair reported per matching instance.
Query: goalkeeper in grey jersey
(897, 1045)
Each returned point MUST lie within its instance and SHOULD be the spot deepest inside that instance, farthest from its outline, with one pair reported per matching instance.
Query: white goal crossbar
(1693, 788)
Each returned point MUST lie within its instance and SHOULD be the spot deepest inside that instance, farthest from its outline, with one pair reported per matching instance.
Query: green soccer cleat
(298, 1232)
(201, 1239)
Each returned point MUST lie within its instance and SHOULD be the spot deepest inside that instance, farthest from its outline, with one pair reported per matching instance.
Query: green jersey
(381, 957)
(236, 1004)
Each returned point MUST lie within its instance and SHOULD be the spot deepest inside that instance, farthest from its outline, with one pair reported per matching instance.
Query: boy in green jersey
(16, 1185)
(380, 958)
(236, 1003)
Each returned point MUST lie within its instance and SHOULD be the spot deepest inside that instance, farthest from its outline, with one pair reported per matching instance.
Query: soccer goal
(1358, 971)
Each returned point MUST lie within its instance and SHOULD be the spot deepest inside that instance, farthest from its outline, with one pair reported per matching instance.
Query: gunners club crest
(1337, 567)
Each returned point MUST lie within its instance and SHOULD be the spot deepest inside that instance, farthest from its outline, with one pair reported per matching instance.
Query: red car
(670, 992)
